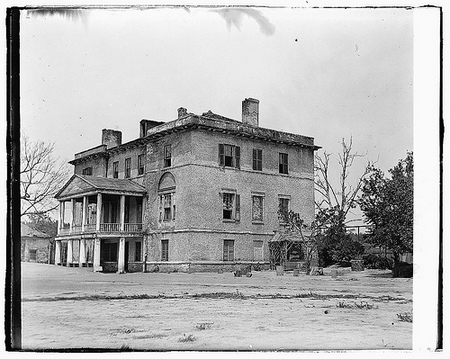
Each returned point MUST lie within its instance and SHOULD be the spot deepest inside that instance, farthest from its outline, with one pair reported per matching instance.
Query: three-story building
(200, 192)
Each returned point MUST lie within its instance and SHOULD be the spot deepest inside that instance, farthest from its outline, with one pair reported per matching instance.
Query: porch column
(59, 218)
(97, 267)
(121, 259)
(99, 212)
(69, 252)
(122, 213)
(57, 252)
(82, 260)
(83, 213)
(72, 217)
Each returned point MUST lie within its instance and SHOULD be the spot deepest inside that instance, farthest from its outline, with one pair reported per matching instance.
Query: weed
(187, 338)
(203, 326)
(365, 305)
(361, 305)
(405, 317)
(344, 305)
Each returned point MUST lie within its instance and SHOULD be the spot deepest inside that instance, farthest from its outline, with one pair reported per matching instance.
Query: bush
(402, 270)
(373, 261)
(346, 250)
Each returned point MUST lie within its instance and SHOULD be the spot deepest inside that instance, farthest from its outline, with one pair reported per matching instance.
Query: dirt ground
(76, 308)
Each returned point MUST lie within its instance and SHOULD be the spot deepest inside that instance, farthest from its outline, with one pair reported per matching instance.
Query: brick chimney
(250, 112)
(182, 112)
(111, 138)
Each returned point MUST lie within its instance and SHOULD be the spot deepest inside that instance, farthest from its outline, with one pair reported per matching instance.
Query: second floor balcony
(100, 205)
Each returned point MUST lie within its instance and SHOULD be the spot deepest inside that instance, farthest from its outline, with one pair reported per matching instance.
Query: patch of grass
(151, 336)
(361, 305)
(344, 305)
(365, 305)
(405, 317)
(187, 338)
(203, 326)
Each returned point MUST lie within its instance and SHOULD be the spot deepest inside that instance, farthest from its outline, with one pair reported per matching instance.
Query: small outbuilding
(36, 246)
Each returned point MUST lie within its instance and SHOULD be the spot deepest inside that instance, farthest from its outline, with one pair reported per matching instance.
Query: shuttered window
(229, 156)
(257, 159)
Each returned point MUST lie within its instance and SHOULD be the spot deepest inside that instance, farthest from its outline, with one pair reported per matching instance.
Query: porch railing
(109, 227)
(133, 227)
(104, 227)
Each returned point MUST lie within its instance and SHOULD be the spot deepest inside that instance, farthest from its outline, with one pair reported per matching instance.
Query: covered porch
(94, 212)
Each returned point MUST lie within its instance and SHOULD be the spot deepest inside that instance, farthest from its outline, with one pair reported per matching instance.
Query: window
(166, 190)
(231, 206)
(140, 165)
(228, 250)
(87, 171)
(167, 156)
(283, 206)
(283, 166)
(257, 208)
(164, 250)
(116, 169)
(137, 251)
(229, 156)
(33, 254)
(166, 207)
(127, 167)
(257, 159)
(257, 250)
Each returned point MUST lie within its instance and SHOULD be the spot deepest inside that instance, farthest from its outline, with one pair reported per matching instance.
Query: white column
(122, 213)
(83, 213)
(58, 253)
(97, 267)
(69, 252)
(99, 211)
(72, 216)
(60, 216)
(121, 259)
(82, 259)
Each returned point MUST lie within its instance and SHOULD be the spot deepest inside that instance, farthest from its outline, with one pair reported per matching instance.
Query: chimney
(111, 138)
(250, 112)
(182, 112)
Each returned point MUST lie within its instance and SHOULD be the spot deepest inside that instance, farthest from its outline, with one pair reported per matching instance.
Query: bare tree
(343, 197)
(41, 176)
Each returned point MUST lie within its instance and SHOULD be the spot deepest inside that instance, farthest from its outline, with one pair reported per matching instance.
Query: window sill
(229, 220)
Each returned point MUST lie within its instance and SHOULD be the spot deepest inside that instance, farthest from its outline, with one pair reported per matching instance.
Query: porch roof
(289, 237)
(79, 185)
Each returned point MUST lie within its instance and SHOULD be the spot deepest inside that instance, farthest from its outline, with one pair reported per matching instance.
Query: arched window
(166, 197)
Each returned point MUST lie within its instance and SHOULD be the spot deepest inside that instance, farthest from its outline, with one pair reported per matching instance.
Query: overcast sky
(324, 73)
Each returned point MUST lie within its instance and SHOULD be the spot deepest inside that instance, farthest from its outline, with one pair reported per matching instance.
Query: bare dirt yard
(75, 308)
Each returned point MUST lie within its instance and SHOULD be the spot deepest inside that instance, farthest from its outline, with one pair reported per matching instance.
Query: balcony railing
(104, 227)
(109, 227)
(133, 227)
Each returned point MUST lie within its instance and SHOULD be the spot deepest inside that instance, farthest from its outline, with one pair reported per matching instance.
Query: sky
(325, 73)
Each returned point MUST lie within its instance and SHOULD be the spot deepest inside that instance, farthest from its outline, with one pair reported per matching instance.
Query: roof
(290, 236)
(218, 123)
(207, 120)
(27, 231)
(79, 185)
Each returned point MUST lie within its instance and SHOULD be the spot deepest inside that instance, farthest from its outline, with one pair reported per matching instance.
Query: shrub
(402, 270)
(187, 338)
(373, 261)
(405, 317)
